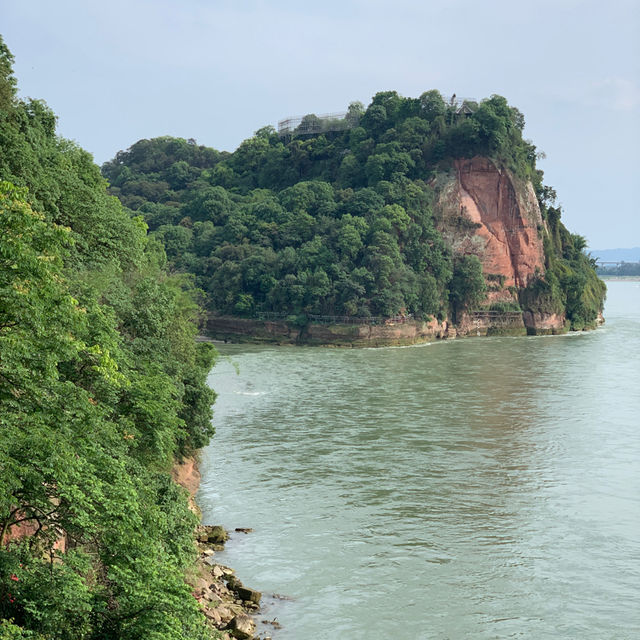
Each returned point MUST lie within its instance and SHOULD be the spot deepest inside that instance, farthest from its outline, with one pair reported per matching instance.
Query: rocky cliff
(484, 210)
(380, 221)
(480, 209)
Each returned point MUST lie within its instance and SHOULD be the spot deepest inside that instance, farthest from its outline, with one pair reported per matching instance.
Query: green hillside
(336, 216)
(102, 386)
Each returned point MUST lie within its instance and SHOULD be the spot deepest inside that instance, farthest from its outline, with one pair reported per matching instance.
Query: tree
(467, 286)
(354, 113)
(7, 79)
(432, 105)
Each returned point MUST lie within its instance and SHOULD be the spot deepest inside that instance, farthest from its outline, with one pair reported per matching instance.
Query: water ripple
(477, 489)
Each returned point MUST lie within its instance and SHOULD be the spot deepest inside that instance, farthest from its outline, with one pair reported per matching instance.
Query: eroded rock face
(29, 528)
(484, 212)
(391, 333)
(541, 323)
(187, 474)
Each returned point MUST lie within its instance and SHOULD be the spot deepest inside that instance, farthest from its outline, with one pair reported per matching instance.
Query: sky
(118, 71)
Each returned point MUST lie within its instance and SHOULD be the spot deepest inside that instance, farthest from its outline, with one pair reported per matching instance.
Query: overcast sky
(118, 71)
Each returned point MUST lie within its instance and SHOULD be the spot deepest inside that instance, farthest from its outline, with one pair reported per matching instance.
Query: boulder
(225, 614)
(215, 534)
(241, 627)
(244, 593)
(233, 583)
(201, 584)
(248, 595)
(213, 615)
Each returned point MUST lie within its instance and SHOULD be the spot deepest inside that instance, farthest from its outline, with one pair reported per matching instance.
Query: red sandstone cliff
(484, 211)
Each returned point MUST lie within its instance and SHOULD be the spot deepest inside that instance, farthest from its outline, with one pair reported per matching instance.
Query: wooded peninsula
(424, 212)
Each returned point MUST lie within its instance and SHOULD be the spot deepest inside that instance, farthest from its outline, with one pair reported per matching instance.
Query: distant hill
(361, 216)
(617, 255)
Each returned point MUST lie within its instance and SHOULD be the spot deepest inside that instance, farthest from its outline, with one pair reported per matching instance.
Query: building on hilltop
(311, 124)
(463, 106)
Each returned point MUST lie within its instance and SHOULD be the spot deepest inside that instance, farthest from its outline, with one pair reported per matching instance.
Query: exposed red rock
(29, 528)
(542, 323)
(507, 239)
(187, 475)
(22, 530)
(483, 325)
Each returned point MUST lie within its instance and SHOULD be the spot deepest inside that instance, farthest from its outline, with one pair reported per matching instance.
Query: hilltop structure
(312, 124)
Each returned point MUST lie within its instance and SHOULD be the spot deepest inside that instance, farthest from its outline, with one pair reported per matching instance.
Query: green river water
(475, 488)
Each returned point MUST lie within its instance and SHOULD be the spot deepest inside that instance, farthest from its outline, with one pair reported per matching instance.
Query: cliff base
(226, 603)
(407, 332)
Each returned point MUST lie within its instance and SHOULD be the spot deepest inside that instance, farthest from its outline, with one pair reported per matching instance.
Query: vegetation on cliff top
(101, 386)
(340, 223)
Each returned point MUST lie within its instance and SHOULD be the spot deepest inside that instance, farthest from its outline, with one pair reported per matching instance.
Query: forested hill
(101, 386)
(339, 217)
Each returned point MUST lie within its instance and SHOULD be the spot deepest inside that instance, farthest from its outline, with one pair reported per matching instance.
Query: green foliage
(505, 307)
(330, 222)
(102, 385)
(7, 80)
(467, 285)
(570, 284)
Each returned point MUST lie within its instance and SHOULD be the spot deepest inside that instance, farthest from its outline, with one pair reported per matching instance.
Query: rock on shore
(226, 602)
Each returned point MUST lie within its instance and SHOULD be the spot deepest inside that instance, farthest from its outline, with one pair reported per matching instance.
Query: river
(473, 488)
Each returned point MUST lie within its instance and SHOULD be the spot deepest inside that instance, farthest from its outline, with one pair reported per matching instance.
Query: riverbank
(392, 332)
(227, 604)
(435, 491)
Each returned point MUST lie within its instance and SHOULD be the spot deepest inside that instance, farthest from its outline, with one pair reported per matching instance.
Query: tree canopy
(334, 223)
(102, 385)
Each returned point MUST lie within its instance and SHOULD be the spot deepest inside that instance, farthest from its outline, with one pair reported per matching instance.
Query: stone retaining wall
(232, 329)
